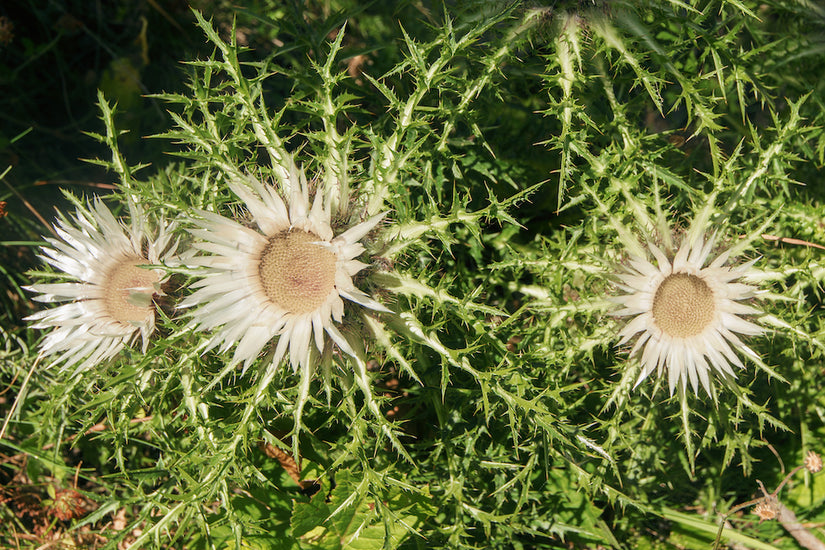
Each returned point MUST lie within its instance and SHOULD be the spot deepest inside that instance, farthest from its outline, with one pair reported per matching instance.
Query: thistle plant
(509, 276)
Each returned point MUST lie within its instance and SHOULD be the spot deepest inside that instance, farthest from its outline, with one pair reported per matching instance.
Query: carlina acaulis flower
(107, 286)
(283, 279)
(686, 309)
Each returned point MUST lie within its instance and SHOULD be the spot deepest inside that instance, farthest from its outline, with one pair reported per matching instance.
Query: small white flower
(110, 294)
(687, 315)
(285, 279)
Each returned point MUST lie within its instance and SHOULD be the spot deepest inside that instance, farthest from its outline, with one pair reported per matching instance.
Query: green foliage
(520, 153)
(343, 519)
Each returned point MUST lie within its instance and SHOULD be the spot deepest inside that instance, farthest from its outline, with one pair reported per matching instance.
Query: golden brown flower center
(683, 305)
(296, 274)
(128, 290)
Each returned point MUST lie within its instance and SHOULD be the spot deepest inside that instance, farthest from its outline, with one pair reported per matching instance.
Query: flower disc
(128, 290)
(683, 305)
(297, 274)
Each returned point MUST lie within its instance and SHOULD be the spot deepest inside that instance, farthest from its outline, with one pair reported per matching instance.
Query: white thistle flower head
(687, 314)
(285, 278)
(109, 294)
